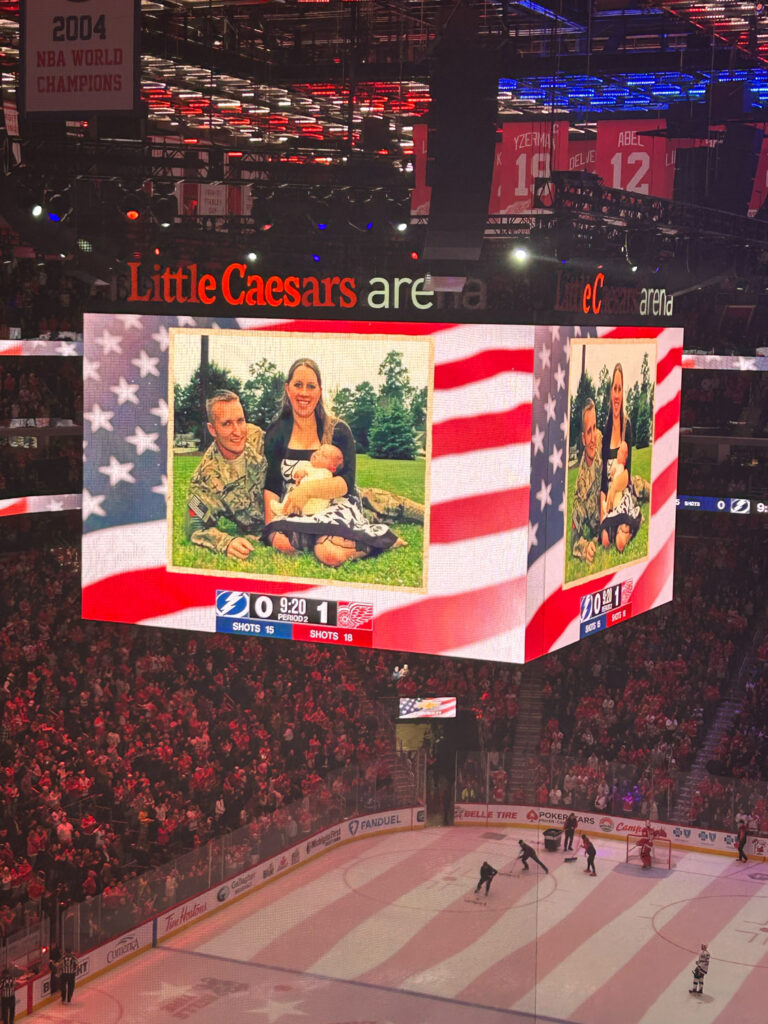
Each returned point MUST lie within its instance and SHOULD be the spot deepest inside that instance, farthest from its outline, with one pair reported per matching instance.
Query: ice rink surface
(387, 931)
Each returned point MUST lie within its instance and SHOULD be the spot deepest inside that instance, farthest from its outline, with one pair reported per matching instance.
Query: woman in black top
(340, 532)
(620, 515)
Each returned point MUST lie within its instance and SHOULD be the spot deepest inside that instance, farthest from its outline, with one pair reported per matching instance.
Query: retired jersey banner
(529, 150)
(760, 186)
(582, 154)
(630, 158)
(79, 56)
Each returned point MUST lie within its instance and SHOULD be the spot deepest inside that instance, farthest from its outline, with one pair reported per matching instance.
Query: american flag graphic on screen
(481, 428)
(553, 613)
(491, 520)
(39, 503)
(427, 707)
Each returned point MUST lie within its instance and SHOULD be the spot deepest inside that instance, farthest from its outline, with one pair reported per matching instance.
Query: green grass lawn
(611, 559)
(399, 567)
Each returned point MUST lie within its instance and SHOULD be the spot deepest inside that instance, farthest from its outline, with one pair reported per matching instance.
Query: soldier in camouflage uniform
(585, 519)
(228, 481)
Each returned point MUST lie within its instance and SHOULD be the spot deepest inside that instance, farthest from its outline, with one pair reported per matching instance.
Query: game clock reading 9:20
(292, 609)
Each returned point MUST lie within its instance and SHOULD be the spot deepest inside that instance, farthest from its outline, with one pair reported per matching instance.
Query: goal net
(661, 852)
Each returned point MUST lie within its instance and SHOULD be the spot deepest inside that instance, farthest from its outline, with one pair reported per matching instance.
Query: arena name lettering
(593, 296)
(236, 286)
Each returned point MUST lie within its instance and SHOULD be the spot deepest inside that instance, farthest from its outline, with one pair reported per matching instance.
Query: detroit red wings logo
(626, 591)
(354, 615)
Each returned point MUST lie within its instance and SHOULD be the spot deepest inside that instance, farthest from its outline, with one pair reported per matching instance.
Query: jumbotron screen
(483, 491)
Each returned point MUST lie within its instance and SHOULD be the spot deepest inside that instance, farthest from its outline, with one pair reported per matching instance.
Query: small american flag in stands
(427, 707)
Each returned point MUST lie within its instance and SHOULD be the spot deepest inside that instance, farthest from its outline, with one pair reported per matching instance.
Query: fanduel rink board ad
(482, 491)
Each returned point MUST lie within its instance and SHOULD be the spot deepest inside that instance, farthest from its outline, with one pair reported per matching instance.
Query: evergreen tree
(585, 390)
(188, 411)
(603, 400)
(392, 434)
(262, 394)
(344, 404)
(397, 382)
(642, 423)
(418, 409)
(361, 416)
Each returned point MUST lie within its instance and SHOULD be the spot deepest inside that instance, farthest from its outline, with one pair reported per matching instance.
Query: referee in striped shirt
(67, 971)
(8, 995)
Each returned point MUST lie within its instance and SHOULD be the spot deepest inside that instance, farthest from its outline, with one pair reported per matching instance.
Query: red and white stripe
(553, 614)
(392, 914)
(478, 491)
(480, 599)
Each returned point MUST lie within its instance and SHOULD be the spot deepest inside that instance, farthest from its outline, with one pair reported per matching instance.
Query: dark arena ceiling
(326, 94)
(296, 80)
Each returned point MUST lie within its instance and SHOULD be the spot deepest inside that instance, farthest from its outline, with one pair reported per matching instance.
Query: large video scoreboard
(471, 442)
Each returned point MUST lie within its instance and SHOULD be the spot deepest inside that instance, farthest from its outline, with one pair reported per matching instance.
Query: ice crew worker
(487, 874)
(528, 853)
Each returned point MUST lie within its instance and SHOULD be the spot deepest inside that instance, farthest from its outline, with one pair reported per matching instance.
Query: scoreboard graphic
(488, 572)
(294, 618)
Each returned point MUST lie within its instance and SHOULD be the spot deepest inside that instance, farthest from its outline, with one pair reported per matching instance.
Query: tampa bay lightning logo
(586, 606)
(231, 604)
(741, 506)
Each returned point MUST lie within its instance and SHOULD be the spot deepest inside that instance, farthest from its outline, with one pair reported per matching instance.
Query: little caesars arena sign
(238, 287)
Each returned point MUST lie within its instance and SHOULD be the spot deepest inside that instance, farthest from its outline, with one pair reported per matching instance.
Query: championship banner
(79, 57)
(630, 158)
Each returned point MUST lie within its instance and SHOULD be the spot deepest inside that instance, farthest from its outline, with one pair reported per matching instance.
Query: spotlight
(58, 207)
(401, 226)
(414, 255)
(37, 210)
(133, 204)
(520, 254)
(164, 209)
(252, 256)
(315, 257)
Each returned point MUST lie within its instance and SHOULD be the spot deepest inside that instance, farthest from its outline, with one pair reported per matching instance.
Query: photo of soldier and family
(611, 406)
(300, 455)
